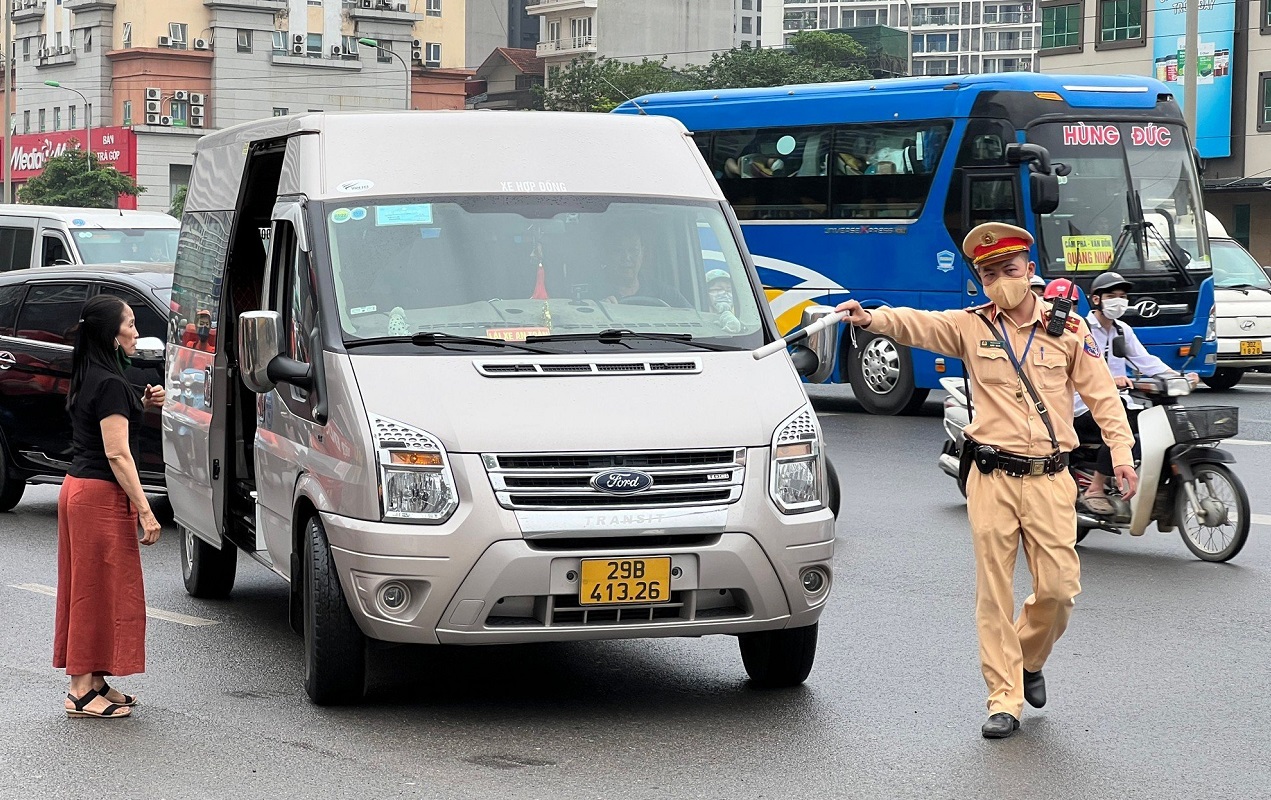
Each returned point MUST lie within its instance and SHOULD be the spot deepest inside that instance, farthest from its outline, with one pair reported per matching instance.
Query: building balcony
(570, 45)
(550, 6)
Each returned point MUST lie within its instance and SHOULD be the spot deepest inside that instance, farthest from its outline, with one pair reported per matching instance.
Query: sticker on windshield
(363, 310)
(352, 187)
(341, 215)
(84, 234)
(1150, 136)
(515, 334)
(77, 221)
(1087, 253)
(413, 214)
(430, 233)
(357, 214)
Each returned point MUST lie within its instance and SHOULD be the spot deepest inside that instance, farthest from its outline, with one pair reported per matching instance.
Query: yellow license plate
(1253, 348)
(625, 581)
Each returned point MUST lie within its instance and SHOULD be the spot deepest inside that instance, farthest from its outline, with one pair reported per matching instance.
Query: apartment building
(1233, 90)
(491, 24)
(153, 76)
(948, 37)
(684, 31)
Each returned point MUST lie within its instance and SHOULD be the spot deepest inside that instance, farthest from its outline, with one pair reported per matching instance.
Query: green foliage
(67, 180)
(601, 84)
(178, 203)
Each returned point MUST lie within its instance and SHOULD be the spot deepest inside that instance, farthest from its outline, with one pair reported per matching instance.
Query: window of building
(1265, 26)
(747, 25)
(936, 15)
(179, 110)
(26, 121)
(1008, 40)
(26, 49)
(747, 5)
(1007, 65)
(57, 118)
(126, 38)
(1240, 226)
(43, 125)
(280, 41)
(1121, 21)
(244, 41)
(57, 40)
(936, 43)
(938, 66)
(176, 32)
(1264, 87)
(280, 111)
(804, 19)
(348, 46)
(88, 40)
(127, 112)
(1008, 14)
(313, 45)
(71, 123)
(866, 18)
(434, 8)
(553, 32)
(1061, 26)
(432, 54)
(580, 30)
(382, 55)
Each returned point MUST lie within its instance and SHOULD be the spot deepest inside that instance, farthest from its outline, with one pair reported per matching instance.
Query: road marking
(1260, 519)
(1249, 442)
(156, 613)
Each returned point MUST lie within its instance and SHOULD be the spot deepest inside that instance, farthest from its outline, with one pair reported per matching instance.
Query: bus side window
(884, 171)
(774, 173)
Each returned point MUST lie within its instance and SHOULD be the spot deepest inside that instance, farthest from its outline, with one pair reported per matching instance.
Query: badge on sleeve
(1089, 346)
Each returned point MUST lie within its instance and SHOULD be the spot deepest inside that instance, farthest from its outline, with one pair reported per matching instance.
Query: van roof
(1214, 227)
(481, 152)
(93, 217)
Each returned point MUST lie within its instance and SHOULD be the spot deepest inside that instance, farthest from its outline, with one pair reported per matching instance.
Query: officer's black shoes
(1034, 688)
(999, 726)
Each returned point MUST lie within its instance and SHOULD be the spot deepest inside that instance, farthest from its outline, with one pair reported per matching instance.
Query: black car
(39, 313)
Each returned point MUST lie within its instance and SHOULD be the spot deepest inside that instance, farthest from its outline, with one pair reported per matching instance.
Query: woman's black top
(104, 393)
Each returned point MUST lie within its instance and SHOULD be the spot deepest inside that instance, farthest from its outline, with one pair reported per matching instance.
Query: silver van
(50, 236)
(1242, 302)
(490, 381)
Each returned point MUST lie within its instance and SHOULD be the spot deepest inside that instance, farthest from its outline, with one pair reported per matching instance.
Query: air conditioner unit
(416, 55)
(165, 121)
(368, 3)
(297, 49)
(196, 98)
(152, 119)
(181, 94)
(297, 38)
(384, 4)
(152, 107)
(417, 43)
(153, 93)
(165, 41)
(196, 122)
(201, 44)
(336, 51)
(402, 7)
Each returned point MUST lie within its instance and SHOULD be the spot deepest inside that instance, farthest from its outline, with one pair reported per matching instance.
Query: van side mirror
(1044, 191)
(150, 348)
(1118, 346)
(819, 362)
(260, 354)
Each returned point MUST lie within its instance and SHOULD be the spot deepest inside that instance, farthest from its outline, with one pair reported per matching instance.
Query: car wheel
(335, 647)
(1224, 379)
(776, 659)
(882, 376)
(207, 571)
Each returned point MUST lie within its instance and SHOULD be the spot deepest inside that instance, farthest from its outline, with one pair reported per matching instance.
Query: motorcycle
(1184, 480)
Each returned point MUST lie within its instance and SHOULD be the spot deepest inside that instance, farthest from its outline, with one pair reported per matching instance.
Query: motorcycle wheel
(1221, 542)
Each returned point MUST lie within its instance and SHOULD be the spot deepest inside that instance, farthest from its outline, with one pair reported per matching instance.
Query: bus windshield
(1130, 202)
(510, 267)
(124, 245)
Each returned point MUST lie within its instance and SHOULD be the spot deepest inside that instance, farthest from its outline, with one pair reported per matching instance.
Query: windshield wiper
(1242, 287)
(617, 335)
(439, 339)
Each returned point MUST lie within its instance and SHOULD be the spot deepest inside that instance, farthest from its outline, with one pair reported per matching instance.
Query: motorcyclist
(1108, 302)
(1038, 284)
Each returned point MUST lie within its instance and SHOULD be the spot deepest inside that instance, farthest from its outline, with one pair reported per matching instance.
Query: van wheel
(832, 494)
(335, 647)
(162, 508)
(208, 572)
(881, 372)
(12, 485)
(776, 659)
(1224, 379)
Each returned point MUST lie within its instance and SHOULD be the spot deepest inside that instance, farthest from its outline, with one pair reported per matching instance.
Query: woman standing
(101, 606)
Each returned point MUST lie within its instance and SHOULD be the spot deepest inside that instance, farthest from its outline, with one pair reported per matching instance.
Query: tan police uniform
(1038, 510)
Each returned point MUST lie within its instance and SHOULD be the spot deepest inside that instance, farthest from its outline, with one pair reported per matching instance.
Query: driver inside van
(623, 275)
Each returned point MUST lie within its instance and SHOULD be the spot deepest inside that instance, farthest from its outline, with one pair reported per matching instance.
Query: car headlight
(1211, 330)
(797, 469)
(415, 479)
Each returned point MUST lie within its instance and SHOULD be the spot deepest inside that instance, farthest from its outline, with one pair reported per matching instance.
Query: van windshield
(1233, 266)
(123, 245)
(512, 266)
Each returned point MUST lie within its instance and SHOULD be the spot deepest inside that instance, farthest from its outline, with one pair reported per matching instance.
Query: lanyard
(1006, 341)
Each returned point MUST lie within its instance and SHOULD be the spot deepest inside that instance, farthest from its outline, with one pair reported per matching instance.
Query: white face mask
(1115, 307)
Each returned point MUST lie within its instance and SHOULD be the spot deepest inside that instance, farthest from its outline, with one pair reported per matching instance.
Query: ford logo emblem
(622, 481)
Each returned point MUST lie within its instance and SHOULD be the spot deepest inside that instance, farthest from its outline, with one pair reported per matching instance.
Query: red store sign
(114, 147)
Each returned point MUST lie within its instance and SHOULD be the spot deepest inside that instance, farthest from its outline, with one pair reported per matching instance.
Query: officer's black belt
(989, 458)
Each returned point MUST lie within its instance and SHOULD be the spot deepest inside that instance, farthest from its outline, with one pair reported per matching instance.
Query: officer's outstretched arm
(1091, 379)
(929, 330)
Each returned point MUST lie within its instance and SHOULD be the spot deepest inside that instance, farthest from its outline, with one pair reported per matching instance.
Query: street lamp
(88, 119)
(375, 43)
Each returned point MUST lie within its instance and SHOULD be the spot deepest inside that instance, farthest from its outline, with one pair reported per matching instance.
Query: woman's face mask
(1115, 307)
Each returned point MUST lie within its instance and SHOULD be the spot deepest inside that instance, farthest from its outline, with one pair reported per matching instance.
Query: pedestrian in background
(100, 627)
(1023, 372)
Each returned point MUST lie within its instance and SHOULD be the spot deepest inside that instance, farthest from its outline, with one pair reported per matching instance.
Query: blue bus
(870, 186)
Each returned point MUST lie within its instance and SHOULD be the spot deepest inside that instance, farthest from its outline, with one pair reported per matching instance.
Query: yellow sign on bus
(1087, 253)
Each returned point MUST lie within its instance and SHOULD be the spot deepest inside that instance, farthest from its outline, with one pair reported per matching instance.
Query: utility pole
(1191, 66)
(6, 8)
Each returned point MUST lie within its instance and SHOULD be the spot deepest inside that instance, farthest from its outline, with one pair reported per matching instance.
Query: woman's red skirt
(101, 601)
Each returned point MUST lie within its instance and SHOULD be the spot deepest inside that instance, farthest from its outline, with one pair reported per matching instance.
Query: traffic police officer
(1019, 488)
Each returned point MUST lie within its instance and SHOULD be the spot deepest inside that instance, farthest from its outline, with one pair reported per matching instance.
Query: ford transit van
(50, 236)
(485, 383)
(1242, 305)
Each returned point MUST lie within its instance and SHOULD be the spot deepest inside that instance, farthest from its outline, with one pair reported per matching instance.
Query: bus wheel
(335, 647)
(1224, 379)
(207, 572)
(882, 376)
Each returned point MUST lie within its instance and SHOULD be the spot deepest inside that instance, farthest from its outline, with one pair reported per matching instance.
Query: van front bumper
(1229, 352)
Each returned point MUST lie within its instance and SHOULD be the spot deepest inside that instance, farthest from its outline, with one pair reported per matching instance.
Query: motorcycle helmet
(1037, 281)
(1108, 282)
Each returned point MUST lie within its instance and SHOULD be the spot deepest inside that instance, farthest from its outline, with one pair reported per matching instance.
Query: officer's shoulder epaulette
(974, 309)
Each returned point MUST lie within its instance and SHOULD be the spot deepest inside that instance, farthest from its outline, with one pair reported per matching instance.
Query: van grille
(505, 369)
(563, 480)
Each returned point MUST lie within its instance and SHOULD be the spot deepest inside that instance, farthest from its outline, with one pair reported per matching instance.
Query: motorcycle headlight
(415, 479)
(1177, 387)
(797, 471)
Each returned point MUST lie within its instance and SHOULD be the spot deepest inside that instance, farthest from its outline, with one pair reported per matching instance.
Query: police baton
(799, 335)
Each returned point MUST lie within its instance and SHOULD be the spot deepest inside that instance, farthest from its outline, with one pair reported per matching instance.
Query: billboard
(114, 147)
(1217, 23)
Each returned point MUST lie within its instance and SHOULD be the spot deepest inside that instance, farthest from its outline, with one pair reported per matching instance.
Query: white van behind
(490, 387)
(1242, 305)
(49, 236)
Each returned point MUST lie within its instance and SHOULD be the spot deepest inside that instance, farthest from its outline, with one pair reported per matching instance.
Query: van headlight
(415, 479)
(797, 469)
(1211, 330)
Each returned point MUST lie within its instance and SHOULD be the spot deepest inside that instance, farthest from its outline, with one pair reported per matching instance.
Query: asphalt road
(1159, 689)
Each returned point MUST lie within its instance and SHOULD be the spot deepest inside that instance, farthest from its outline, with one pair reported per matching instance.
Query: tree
(68, 181)
(178, 203)
(601, 84)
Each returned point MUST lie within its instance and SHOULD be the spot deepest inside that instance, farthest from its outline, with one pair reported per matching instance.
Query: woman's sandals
(112, 711)
(105, 690)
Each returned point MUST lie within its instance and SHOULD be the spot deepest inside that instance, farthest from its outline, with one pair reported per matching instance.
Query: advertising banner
(1213, 69)
(114, 147)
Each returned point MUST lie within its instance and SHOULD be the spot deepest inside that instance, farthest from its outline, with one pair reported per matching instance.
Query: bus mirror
(258, 345)
(1044, 190)
(819, 346)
